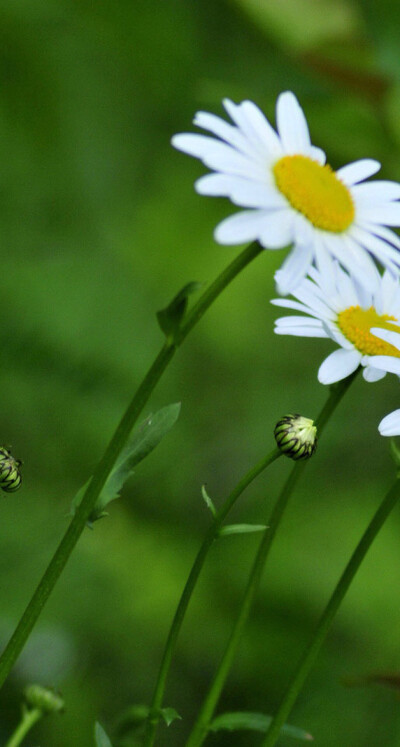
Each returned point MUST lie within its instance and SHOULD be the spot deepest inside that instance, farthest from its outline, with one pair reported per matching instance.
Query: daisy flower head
(291, 196)
(336, 306)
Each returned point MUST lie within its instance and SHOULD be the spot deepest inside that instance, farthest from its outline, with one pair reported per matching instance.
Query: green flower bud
(296, 436)
(43, 698)
(10, 476)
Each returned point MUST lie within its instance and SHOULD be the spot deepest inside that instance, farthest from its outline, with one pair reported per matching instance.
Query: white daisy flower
(292, 197)
(336, 306)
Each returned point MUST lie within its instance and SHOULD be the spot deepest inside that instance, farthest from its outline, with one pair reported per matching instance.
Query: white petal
(358, 171)
(287, 303)
(385, 363)
(255, 127)
(338, 365)
(384, 233)
(285, 322)
(292, 125)
(325, 266)
(243, 192)
(372, 193)
(393, 338)
(222, 129)
(372, 374)
(389, 215)
(383, 252)
(308, 294)
(259, 125)
(293, 270)
(218, 155)
(240, 227)
(317, 154)
(390, 425)
(278, 229)
(300, 332)
(355, 259)
(336, 335)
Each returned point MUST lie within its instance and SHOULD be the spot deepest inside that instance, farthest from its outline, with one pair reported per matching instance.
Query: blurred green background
(100, 227)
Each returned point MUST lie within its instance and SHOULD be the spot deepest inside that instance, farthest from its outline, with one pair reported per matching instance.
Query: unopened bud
(296, 436)
(43, 698)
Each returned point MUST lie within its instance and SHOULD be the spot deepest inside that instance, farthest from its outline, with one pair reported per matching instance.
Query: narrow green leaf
(169, 715)
(170, 318)
(144, 440)
(100, 736)
(208, 501)
(245, 720)
(241, 529)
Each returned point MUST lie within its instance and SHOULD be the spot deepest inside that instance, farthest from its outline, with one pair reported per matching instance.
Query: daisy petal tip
(177, 141)
(390, 425)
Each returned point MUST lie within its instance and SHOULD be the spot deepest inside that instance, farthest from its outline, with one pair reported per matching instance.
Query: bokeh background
(100, 227)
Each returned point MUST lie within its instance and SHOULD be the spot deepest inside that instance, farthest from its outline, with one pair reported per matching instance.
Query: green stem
(78, 523)
(200, 728)
(332, 607)
(176, 625)
(29, 719)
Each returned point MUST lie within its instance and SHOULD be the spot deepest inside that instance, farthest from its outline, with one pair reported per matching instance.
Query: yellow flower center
(315, 191)
(355, 323)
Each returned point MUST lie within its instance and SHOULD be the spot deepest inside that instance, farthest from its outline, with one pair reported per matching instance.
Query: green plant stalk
(29, 719)
(115, 446)
(200, 728)
(154, 714)
(329, 613)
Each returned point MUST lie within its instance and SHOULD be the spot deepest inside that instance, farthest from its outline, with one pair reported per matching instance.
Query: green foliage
(169, 715)
(208, 501)
(144, 440)
(171, 317)
(229, 529)
(101, 737)
(254, 722)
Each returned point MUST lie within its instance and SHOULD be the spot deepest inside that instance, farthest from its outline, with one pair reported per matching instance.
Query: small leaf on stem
(208, 501)
(241, 529)
(144, 440)
(169, 715)
(170, 318)
(246, 720)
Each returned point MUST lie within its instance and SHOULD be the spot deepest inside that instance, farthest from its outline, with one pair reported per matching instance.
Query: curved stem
(176, 625)
(78, 523)
(199, 731)
(332, 607)
(29, 719)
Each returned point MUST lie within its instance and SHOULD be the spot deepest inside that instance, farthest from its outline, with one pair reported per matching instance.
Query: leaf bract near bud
(296, 436)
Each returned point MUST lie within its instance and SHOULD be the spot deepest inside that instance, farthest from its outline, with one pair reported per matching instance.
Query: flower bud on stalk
(43, 698)
(296, 436)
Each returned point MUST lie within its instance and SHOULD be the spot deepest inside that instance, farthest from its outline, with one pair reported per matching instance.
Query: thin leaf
(144, 440)
(245, 720)
(100, 736)
(170, 318)
(134, 716)
(241, 529)
(208, 501)
(169, 715)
